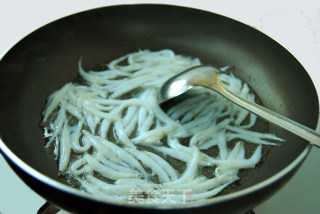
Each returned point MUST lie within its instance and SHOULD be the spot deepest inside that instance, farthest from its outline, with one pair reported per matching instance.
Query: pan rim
(9, 155)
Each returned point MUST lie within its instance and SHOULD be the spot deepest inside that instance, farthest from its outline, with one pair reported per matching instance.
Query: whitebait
(111, 136)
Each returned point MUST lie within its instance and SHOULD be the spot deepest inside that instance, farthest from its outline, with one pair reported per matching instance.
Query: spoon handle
(309, 134)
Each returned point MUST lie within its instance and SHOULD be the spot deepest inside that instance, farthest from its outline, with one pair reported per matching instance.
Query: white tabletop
(295, 25)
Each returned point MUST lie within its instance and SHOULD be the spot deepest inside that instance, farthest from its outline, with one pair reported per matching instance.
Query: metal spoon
(208, 76)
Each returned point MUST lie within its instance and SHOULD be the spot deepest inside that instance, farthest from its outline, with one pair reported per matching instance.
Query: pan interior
(47, 59)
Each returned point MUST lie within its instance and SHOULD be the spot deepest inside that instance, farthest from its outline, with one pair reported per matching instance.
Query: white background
(295, 25)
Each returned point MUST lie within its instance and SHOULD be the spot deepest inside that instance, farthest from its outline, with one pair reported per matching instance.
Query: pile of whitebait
(110, 135)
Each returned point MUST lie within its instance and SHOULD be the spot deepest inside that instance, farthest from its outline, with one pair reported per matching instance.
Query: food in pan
(109, 134)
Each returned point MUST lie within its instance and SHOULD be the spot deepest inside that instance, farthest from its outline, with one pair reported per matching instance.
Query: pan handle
(48, 208)
(296, 128)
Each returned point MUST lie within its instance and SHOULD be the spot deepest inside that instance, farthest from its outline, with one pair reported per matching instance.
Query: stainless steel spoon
(208, 76)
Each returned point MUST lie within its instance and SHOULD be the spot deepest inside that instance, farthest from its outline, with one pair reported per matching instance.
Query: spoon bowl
(196, 76)
(208, 76)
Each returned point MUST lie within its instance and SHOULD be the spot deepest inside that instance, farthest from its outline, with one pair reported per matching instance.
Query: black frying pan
(47, 59)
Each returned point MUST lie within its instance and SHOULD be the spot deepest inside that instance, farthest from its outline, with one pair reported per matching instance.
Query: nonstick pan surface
(46, 59)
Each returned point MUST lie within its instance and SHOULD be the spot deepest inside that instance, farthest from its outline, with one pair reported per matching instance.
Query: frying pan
(46, 59)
